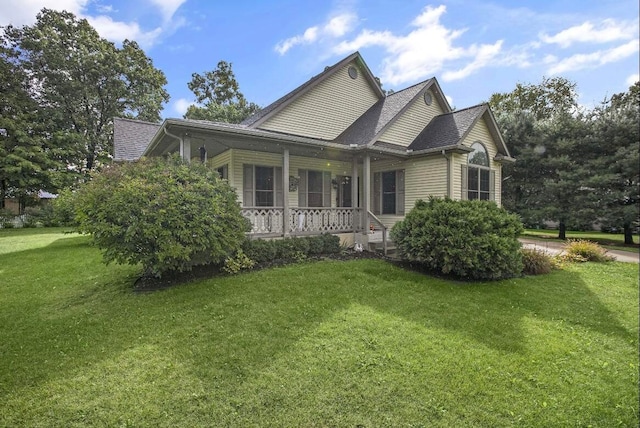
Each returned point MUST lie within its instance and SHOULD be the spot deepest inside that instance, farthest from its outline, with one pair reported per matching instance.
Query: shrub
(468, 239)
(583, 250)
(536, 262)
(292, 249)
(162, 213)
(237, 263)
(260, 250)
(316, 245)
(331, 243)
(64, 210)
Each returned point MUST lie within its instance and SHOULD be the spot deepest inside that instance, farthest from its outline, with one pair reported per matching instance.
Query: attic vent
(353, 72)
(427, 98)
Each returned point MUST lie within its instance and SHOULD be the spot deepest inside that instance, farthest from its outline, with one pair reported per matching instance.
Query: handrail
(373, 217)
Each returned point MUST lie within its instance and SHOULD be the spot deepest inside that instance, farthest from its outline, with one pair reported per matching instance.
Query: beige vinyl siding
(220, 160)
(327, 109)
(480, 133)
(424, 177)
(407, 127)
(241, 157)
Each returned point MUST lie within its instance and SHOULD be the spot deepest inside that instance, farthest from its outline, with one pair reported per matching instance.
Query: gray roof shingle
(131, 138)
(371, 123)
(447, 129)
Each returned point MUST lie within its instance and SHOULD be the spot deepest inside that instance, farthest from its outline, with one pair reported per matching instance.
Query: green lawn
(360, 343)
(608, 240)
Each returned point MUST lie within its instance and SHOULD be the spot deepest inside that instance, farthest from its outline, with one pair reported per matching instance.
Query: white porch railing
(265, 220)
(304, 220)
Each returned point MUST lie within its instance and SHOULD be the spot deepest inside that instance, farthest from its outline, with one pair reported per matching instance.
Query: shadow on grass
(223, 330)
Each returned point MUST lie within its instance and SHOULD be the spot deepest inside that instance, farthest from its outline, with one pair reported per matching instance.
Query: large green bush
(162, 213)
(468, 239)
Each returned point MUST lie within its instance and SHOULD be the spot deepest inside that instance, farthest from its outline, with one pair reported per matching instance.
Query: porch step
(378, 247)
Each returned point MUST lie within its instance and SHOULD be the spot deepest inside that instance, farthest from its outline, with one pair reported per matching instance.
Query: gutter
(448, 158)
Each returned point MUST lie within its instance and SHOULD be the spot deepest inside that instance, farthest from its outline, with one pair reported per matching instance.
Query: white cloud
(608, 30)
(633, 79)
(337, 26)
(449, 100)
(484, 55)
(181, 105)
(407, 58)
(594, 59)
(168, 7)
(118, 30)
(340, 25)
(21, 12)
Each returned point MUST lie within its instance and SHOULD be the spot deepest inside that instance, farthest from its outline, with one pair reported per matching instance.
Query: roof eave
(457, 148)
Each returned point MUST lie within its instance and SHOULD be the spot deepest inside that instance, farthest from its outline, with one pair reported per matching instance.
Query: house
(336, 155)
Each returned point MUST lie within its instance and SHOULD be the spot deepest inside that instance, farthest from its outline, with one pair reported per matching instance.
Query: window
(223, 171)
(388, 192)
(262, 186)
(477, 179)
(314, 189)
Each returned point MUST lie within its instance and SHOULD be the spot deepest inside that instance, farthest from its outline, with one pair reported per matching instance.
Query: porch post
(354, 191)
(185, 149)
(285, 191)
(366, 187)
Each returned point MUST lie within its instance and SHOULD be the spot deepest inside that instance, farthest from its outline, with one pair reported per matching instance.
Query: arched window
(479, 176)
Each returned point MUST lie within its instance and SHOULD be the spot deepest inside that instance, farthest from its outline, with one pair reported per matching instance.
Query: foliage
(583, 250)
(165, 214)
(470, 239)
(218, 96)
(260, 250)
(81, 81)
(26, 164)
(536, 262)
(552, 97)
(290, 249)
(575, 167)
(64, 208)
(238, 262)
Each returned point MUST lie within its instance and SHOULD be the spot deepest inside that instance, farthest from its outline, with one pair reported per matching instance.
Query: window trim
(377, 190)
(250, 188)
(471, 169)
(303, 188)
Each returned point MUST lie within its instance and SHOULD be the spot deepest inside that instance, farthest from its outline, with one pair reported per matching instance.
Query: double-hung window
(388, 192)
(478, 181)
(314, 189)
(262, 186)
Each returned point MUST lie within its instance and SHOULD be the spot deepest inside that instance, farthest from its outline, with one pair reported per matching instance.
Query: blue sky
(473, 47)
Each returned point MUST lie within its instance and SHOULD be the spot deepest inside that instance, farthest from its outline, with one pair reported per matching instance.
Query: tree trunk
(628, 234)
(2, 193)
(562, 232)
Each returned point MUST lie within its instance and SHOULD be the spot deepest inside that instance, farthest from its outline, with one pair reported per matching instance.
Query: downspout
(174, 136)
(448, 158)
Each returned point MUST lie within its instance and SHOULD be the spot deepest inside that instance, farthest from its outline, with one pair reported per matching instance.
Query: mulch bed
(172, 279)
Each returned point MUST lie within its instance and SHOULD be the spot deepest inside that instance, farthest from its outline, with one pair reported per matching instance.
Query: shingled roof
(368, 126)
(448, 129)
(131, 138)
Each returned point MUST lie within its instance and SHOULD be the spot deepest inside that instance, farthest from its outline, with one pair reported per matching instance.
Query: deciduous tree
(84, 81)
(218, 96)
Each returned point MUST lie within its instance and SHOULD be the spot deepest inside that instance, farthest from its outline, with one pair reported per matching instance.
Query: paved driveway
(553, 247)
